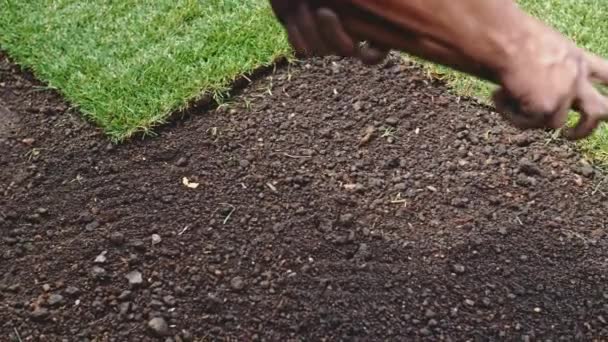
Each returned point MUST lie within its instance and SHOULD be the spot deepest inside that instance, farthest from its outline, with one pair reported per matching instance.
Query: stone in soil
(72, 290)
(182, 161)
(585, 170)
(98, 272)
(156, 239)
(55, 300)
(117, 238)
(159, 326)
(135, 278)
(40, 314)
(237, 283)
(101, 258)
(458, 268)
(169, 300)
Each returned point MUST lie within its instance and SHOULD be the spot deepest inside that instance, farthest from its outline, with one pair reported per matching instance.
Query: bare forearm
(485, 31)
(418, 46)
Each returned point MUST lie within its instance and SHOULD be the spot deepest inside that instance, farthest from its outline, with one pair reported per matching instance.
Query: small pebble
(92, 226)
(400, 187)
(525, 181)
(358, 106)
(522, 140)
(156, 303)
(159, 326)
(156, 239)
(98, 272)
(55, 300)
(39, 314)
(460, 202)
(124, 308)
(325, 132)
(363, 253)
(585, 170)
(237, 283)
(529, 168)
(425, 331)
(101, 258)
(355, 187)
(187, 335)
(458, 268)
(117, 238)
(486, 302)
(125, 295)
(392, 121)
(346, 219)
(169, 300)
(183, 161)
(135, 278)
(72, 291)
(138, 245)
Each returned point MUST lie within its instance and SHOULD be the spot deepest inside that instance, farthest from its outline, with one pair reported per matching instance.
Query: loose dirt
(8, 121)
(329, 201)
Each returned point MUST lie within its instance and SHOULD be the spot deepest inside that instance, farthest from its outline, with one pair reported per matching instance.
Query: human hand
(551, 77)
(542, 74)
(318, 31)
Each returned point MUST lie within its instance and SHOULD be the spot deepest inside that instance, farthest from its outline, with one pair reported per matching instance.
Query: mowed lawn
(128, 64)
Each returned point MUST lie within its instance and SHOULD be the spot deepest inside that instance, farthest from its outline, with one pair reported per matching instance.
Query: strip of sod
(128, 64)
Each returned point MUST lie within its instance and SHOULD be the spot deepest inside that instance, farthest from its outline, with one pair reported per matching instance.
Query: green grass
(128, 64)
(585, 21)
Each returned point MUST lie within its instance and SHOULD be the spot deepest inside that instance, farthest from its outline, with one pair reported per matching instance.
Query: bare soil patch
(8, 121)
(330, 201)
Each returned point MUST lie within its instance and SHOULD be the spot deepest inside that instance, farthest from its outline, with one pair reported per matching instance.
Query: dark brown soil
(437, 223)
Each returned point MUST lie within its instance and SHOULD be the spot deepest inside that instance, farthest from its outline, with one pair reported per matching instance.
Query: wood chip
(189, 184)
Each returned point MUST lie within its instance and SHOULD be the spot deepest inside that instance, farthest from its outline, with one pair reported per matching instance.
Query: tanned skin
(541, 74)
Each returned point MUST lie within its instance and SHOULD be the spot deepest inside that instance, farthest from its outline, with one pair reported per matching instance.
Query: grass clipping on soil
(129, 64)
(585, 22)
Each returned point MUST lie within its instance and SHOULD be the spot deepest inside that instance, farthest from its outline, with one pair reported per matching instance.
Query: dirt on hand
(327, 201)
